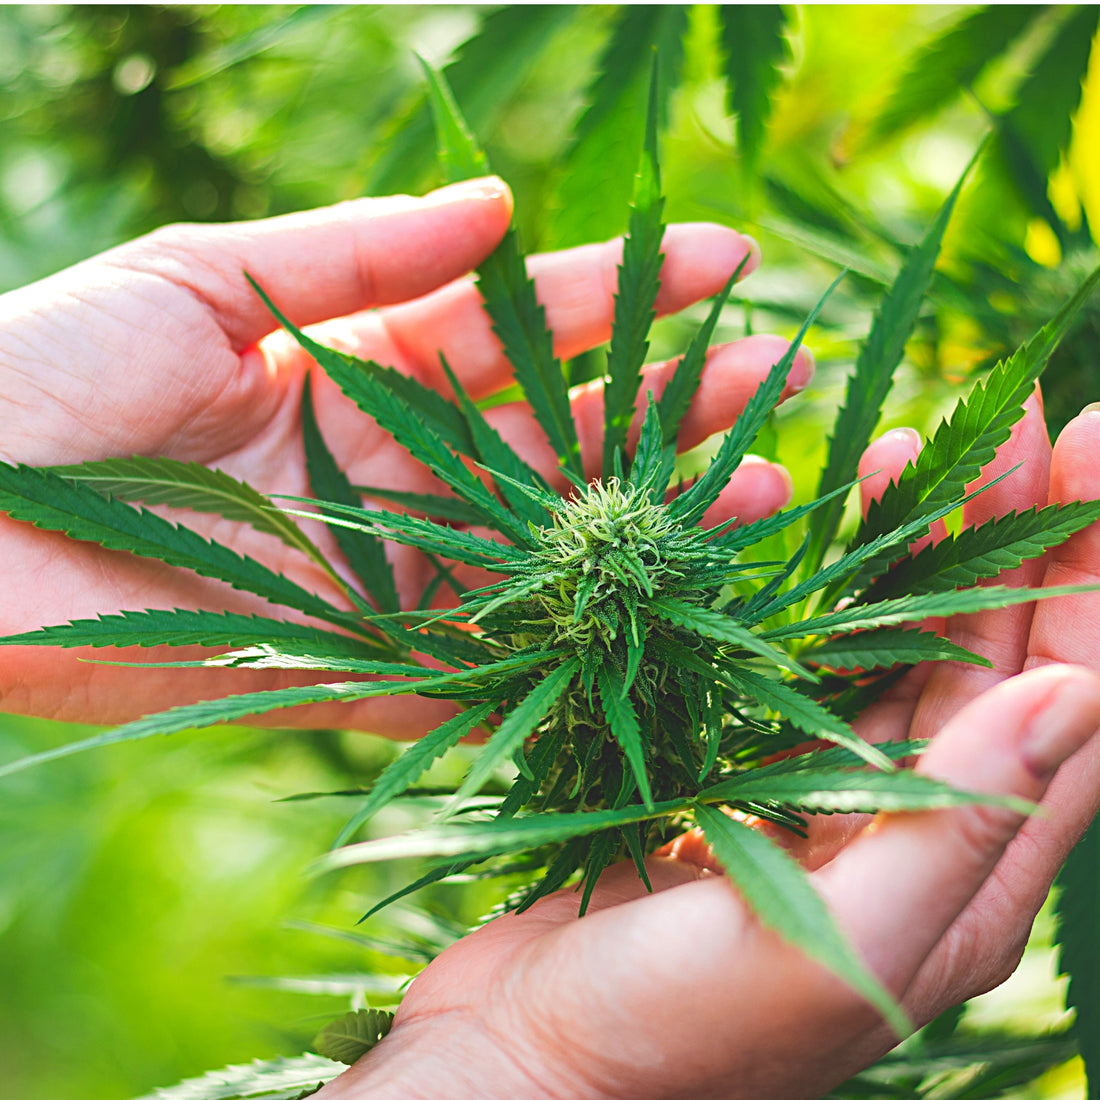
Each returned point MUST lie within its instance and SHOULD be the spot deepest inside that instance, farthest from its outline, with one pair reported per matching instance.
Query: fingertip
(884, 460)
(1066, 717)
(699, 259)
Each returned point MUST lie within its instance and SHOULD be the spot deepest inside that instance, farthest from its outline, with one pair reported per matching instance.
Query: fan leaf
(635, 301)
(365, 552)
(783, 899)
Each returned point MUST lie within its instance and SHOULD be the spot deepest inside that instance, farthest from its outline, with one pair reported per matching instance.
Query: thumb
(329, 262)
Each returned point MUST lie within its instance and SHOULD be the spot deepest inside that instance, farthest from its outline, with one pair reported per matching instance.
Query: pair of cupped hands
(159, 347)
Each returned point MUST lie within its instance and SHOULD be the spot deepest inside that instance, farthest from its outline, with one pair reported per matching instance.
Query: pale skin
(158, 347)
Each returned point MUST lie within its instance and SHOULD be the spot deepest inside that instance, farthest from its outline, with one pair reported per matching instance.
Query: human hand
(684, 994)
(152, 349)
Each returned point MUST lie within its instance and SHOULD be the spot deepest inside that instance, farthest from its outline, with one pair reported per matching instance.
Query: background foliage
(140, 885)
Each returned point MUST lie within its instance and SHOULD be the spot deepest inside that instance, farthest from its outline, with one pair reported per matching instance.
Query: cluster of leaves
(645, 669)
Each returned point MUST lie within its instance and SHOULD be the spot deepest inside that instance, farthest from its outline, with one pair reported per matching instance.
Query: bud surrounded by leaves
(642, 669)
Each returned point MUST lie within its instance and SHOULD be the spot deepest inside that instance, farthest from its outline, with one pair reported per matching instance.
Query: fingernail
(802, 370)
(1064, 723)
(754, 254)
(909, 436)
(487, 187)
(1091, 409)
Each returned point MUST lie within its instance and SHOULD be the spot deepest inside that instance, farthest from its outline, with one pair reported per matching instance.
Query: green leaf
(654, 460)
(518, 477)
(486, 71)
(430, 504)
(635, 301)
(1078, 924)
(195, 487)
(721, 628)
(963, 601)
(349, 1038)
(481, 839)
(518, 320)
(969, 439)
(459, 153)
(403, 420)
(185, 627)
(976, 553)
(1047, 100)
(805, 714)
(276, 1079)
(423, 534)
(619, 712)
(412, 764)
(213, 712)
(871, 381)
(595, 182)
(935, 74)
(55, 503)
(755, 45)
(689, 506)
(873, 649)
(824, 790)
(781, 896)
(676, 397)
(519, 723)
(365, 552)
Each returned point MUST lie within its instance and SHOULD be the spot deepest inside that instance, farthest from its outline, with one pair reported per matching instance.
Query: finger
(731, 375)
(883, 461)
(1068, 629)
(1000, 636)
(328, 262)
(576, 287)
(1007, 743)
(993, 930)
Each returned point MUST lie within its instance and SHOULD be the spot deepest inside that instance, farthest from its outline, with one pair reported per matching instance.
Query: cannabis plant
(634, 673)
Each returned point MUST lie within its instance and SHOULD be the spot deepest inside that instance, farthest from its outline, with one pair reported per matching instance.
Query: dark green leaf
(870, 382)
(619, 712)
(635, 301)
(192, 486)
(482, 839)
(871, 649)
(721, 628)
(783, 899)
(365, 552)
(428, 504)
(518, 319)
(520, 722)
(184, 627)
(815, 790)
(213, 712)
(676, 397)
(349, 1038)
(755, 45)
(594, 186)
(1077, 935)
(403, 419)
(519, 478)
(977, 553)
(964, 601)
(969, 439)
(689, 506)
(805, 714)
(55, 503)
(936, 74)
(412, 764)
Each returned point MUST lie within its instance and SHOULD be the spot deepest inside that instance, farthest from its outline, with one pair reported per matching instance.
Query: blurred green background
(149, 894)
